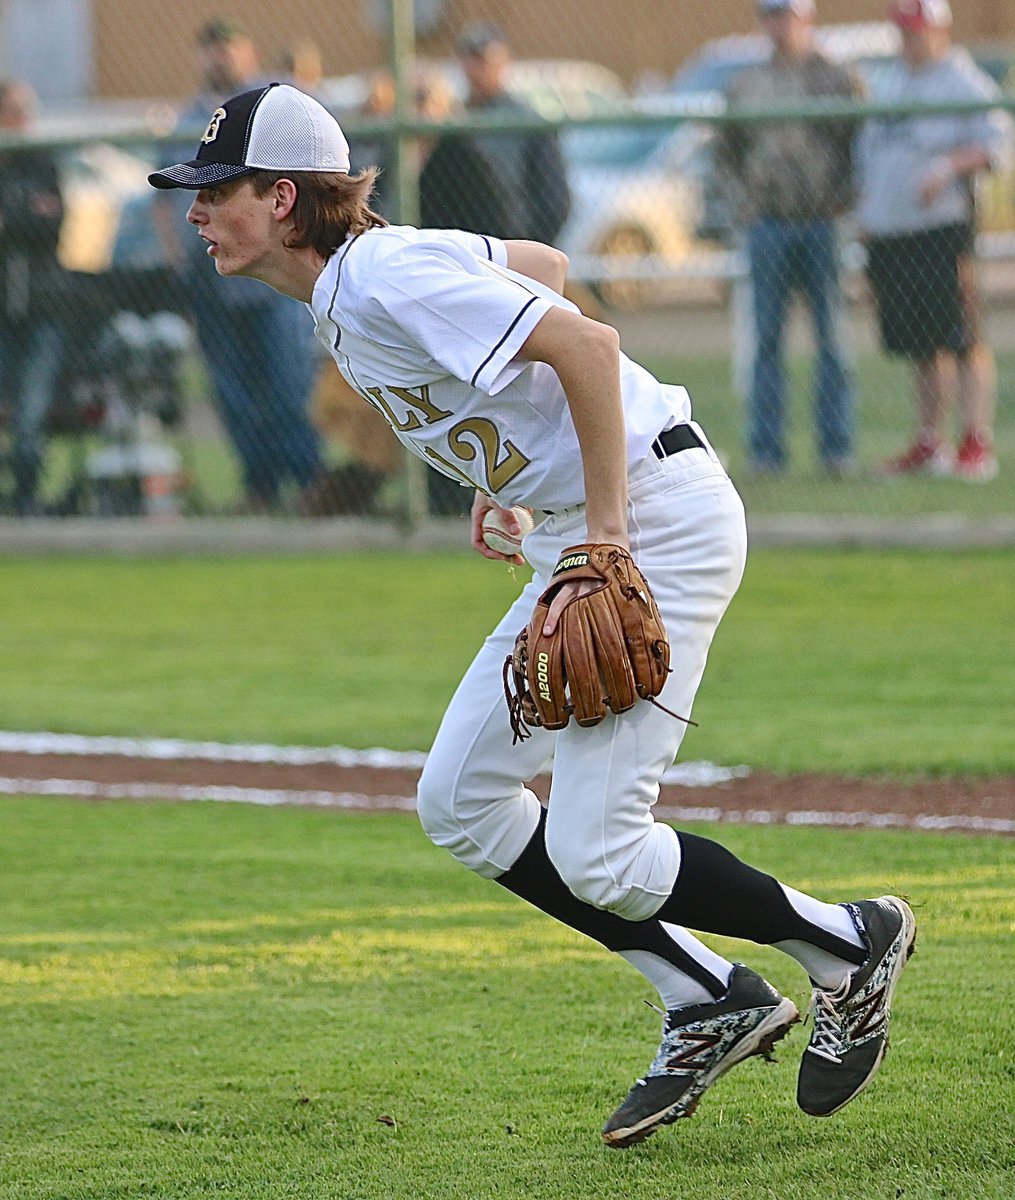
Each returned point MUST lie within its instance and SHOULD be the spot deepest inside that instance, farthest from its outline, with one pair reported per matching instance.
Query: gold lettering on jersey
(499, 470)
(431, 412)
(212, 132)
(449, 467)
(409, 420)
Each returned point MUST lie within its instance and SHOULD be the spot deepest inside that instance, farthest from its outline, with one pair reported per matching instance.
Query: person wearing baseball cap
(467, 347)
(255, 344)
(791, 182)
(920, 14)
(917, 215)
(527, 165)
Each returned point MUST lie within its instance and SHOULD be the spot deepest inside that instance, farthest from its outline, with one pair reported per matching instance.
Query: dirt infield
(971, 805)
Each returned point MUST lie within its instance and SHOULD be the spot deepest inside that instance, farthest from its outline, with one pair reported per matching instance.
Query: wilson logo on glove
(608, 651)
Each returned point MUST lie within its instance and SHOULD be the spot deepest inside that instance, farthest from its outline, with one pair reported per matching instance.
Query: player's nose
(196, 214)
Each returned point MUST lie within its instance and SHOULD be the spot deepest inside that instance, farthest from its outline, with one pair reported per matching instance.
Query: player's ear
(283, 198)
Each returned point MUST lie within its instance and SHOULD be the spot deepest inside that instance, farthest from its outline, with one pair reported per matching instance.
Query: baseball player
(464, 344)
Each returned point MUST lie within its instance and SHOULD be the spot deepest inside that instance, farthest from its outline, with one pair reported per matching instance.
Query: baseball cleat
(849, 1039)
(700, 1043)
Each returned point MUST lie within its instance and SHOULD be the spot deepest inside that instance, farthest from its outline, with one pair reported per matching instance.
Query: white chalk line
(278, 797)
(176, 748)
(266, 797)
(689, 774)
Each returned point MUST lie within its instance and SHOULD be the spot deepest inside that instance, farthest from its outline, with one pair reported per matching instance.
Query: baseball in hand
(497, 536)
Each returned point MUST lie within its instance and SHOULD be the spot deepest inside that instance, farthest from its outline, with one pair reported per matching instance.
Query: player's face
(237, 225)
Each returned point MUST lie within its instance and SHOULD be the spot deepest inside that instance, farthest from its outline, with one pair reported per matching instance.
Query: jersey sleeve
(483, 245)
(460, 307)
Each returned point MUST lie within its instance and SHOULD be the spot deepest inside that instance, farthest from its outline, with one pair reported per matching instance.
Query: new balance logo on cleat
(872, 1016)
(849, 1039)
(694, 1057)
(700, 1044)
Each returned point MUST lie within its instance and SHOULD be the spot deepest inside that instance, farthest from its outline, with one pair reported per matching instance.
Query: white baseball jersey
(426, 325)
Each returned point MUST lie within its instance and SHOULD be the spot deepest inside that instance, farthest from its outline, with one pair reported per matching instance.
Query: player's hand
(481, 505)
(569, 592)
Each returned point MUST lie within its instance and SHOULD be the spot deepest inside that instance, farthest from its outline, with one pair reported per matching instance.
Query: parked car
(648, 205)
(101, 183)
(637, 198)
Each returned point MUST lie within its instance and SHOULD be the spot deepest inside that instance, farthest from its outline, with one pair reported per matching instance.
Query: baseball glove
(608, 651)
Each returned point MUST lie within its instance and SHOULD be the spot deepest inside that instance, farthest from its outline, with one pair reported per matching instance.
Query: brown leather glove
(608, 651)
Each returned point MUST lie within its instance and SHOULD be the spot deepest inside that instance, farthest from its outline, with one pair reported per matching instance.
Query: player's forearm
(586, 358)
(967, 160)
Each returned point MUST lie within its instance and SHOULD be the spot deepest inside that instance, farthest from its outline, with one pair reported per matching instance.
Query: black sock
(717, 893)
(535, 879)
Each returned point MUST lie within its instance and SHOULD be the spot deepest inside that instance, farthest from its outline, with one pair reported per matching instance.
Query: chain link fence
(824, 253)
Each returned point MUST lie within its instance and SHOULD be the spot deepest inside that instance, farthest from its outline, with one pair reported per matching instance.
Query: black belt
(672, 441)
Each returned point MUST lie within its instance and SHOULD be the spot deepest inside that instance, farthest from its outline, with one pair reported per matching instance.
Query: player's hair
(328, 206)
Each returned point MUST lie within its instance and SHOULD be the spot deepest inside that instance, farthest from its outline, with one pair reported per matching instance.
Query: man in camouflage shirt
(791, 180)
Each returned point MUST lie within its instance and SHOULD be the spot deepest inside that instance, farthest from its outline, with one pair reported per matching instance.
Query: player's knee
(590, 879)
(434, 806)
(585, 877)
(450, 823)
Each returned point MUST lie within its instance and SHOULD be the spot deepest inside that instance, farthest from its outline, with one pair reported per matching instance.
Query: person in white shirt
(465, 345)
(916, 215)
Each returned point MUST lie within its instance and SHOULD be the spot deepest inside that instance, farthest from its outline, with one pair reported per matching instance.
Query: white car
(636, 206)
(647, 216)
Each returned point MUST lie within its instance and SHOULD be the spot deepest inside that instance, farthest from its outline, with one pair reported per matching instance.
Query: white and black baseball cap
(272, 128)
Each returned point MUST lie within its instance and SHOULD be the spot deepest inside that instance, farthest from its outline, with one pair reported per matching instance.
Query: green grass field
(202, 1000)
(884, 423)
(852, 662)
(884, 426)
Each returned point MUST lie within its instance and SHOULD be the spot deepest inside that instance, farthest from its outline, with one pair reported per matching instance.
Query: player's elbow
(545, 264)
(560, 264)
(599, 346)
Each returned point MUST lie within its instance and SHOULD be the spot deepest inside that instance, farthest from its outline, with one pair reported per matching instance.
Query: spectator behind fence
(528, 166)
(31, 213)
(458, 186)
(255, 342)
(792, 180)
(916, 214)
(302, 65)
(377, 149)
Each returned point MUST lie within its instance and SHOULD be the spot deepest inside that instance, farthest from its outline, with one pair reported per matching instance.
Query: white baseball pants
(688, 535)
